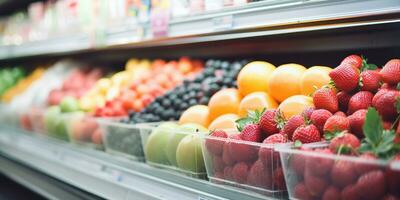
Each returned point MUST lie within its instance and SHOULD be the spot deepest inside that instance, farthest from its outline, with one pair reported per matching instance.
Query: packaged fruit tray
(8, 116)
(121, 139)
(248, 165)
(174, 147)
(311, 173)
(36, 120)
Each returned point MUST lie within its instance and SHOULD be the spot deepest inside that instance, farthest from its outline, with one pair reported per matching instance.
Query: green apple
(50, 118)
(69, 104)
(189, 155)
(175, 137)
(157, 141)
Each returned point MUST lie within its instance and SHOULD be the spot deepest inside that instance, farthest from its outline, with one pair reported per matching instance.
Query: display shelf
(107, 176)
(270, 17)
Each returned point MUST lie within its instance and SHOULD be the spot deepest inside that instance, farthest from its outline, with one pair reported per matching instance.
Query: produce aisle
(201, 99)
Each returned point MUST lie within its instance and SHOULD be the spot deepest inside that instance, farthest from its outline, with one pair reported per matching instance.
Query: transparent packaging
(312, 174)
(168, 146)
(254, 167)
(36, 120)
(85, 131)
(122, 139)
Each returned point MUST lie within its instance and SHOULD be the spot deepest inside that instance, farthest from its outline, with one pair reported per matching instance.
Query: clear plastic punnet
(253, 167)
(314, 173)
(174, 147)
(121, 139)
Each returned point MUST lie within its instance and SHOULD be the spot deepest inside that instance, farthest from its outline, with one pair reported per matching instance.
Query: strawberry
(387, 125)
(307, 134)
(240, 172)
(388, 86)
(319, 117)
(345, 77)
(336, 124)
(343, 99)
(344, 142)
(268, 122)
(325, 98)
(353, 60)
(391, 72)
(241, 152)
(357, 121)
(343, 173)
(219, 175)
(340, 113)
(226, 155)
(350, 192)
(252, 133)
(301, 192)
(393, 175)
(279, 179)
(266, 154)
(372, 185)
(331, 193)
(298, 163)
(259, 176)
(215, 146)
(316, 185)
(291, 125)
(370, 80)
(360, 100)
(218, 164)
(364, 167)
(308, 112)
(379, 94)
(228, 173)
(385, 103)
(319, 165)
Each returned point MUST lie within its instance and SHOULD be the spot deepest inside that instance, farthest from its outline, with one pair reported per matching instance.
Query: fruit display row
(9, 77)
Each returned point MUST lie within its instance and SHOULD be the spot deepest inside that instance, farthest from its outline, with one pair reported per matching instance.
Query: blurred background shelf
(100, 174)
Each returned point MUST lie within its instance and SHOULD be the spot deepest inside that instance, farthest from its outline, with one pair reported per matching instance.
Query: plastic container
(36, 120)
(122, 139)
(250, 166)
(9, 116)
(175, 148)
(85, 131)
(311, 174)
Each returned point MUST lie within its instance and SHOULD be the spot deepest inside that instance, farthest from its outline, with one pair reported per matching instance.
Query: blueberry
(204, 100)
(184, 106)
(166, 103)
(225, 65)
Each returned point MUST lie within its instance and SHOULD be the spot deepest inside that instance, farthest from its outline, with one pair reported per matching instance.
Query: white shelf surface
(271, 16)
(107, 176)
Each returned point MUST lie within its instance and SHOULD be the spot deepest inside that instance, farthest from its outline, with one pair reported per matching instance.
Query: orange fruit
(254, 77)
(198, 114)
(226, 121)
(295, 105)
(256, 101)
(285, 81)
(224, 101)
(314, 78)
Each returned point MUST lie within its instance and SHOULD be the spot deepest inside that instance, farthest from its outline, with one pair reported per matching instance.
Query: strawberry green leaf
(365, 147)
(372, 127)
(297, 144)
(241, 123)
(398, 86)
(398, 105)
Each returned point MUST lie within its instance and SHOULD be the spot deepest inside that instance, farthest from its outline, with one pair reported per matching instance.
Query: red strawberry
(343, 99)
(357, 121)
(387, 125)
(344, 141)
(307, 134)
(228, 173)
(298, 163)
(325, 98)
(360, 100)
(279, 179)
(391, 72)
(316, 185)
(336, 124)
(345, 77)
(371, 80)
(350, 193)
(240, 172)
(268, 122)
(220, 176)
(364, 167)
(226, 155)
(291, 125)
(385, 103)
(308, 112)
(343, 173)
(372, 185)
(319, 165)
(388, 86)
(353, 60)
(218, 164)
(252, 133)
(340, 113)
(260, 176)
(267, 154)
(215, 146)
(240, 151)
(380, 93)
(393, 175)
(319, 117)
(331, 193)
(301, 192)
